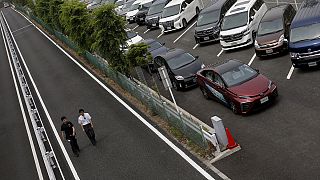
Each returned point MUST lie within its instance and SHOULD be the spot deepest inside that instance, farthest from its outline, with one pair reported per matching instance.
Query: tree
(75, 21)
(42, 10)
(54, 13)
(109, 36)
(138, 55)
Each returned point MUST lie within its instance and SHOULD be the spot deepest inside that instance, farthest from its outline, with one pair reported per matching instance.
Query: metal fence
(183, 121)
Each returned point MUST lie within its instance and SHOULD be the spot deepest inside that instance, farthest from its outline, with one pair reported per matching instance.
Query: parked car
(155, 48)
(304, 44)
(177, 13)
(131, 14)
(273, 32)
(143, 10)
(240, 24)
(133, 38)
(154, 13)
(5, 5)
(209, 20)
(237, 86)
(126, 8)
(181, 66)
(119, 5)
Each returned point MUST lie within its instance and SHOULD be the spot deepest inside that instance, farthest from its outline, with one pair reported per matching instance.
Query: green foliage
(75, 19)
(109, 36)
(138, 55)
(42, 10)
(54, 13)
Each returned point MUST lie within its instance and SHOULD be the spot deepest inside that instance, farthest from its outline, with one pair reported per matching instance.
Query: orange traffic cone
(231, 143)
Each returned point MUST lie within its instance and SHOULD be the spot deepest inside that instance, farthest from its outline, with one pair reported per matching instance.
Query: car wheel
(197, 11)
(184, 23)
(233, 108)
(205, 93)
(175, 85)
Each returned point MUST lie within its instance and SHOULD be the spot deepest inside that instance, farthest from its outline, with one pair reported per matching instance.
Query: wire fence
(157, 104)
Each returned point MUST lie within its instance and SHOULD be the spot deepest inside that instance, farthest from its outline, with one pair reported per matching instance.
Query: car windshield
(309, 32)
(145, 6)
(235, 21)
(269, 27)
(119, 3)
(134, 7)
(171, 11)
(238, 75)
(127, 5)
(180, 61)
(208, 17)
(156, 8)
(131, 34)
(154, 45)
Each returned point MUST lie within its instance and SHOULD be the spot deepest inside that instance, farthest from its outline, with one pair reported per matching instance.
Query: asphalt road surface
(126, 148)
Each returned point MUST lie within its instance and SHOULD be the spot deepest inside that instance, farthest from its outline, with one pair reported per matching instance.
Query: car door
(215, 86)
(252, 19)
(190, 10)
(183, 10)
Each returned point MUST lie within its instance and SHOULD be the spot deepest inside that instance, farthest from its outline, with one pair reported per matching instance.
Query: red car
(237, 85)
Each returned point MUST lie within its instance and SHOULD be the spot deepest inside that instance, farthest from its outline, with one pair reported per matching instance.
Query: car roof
(137, 2)
(275, 13)
(174, 2)
(240, 6)
(172, 53)
(227, 66)
(214, 6)
(160, 2)
(308, 13)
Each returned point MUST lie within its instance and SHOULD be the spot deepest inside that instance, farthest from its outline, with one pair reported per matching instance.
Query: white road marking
(277, 2)
(146, 31)
(220, 53)
(195, 46)
(295, 1)
(21, 28)
(251, 60)
(158, 133)
(64, 151)
(185, 32)
(160, 34)
(135, 27)
(33, 149)
(290, 72)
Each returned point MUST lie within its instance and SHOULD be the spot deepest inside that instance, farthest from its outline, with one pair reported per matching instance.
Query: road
(126, 148)
(279, 142)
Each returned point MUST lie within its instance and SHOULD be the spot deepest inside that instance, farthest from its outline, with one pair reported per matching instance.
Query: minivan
(304, 42)
(143, 10)
(154, 13)
(240, 23)
(131, 14)
(209, 20)
(177, 13)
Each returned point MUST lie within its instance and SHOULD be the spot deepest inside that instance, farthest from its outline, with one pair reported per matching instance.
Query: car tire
(205, 93)
(184, 23)
(175, 85)
(233, 108)
(197, 11)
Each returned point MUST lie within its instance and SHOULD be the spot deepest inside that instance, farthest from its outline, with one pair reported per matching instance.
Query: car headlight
(256, 45)
(203, 66)
(293, 55)
(281, 39)
(244, 97)
(176, 19)
(179, 78)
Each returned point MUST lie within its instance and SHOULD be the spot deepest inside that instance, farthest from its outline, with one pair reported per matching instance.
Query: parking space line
(146, 31)
(220, 53)
(195, 46)
(135, 27)
(160, 34)
(290, 72)
(251, 60)
(295, 1)
(185, 32)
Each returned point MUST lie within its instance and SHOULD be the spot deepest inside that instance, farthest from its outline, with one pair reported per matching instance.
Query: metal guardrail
(49, 158)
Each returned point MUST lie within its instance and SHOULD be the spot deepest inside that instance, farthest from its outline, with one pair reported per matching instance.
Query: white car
(119, 5)
(130, 15)
(133, 38)
(178, 13)
(240, 24)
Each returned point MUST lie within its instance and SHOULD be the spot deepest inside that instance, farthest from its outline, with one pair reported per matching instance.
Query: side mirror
(257, 70)
(163, 44)
(251, 18)
(182, 9)
(197, 57)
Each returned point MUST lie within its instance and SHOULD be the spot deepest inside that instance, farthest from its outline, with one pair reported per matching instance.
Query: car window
(208, 17)
(252, 12)
(154, 45)
(218, 80)
(171, 11)
(180, 61)
(270, 27)
(235, 21)
(188, 1)
(183, 5)
(238, 75)
(156, 8)
(257, 5)
(208, 75)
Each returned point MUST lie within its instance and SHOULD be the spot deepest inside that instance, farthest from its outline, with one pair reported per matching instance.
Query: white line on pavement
(160, 34)
(33, 149)
(185, 32)
(290, 72)
(158, 133)
(251, 60)
(220, 53)
(146, 31)
(21, 28)
(135, 27)
(195, 46)
(64, 151)
(295, 1)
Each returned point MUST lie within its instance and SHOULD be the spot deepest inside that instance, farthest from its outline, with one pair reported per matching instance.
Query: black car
(155, 48)
(181, 66)
(208, 24)
(142, 13)
(154, 13)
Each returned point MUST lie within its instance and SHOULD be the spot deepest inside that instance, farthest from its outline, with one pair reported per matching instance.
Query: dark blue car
(304, 45)
(155, 48)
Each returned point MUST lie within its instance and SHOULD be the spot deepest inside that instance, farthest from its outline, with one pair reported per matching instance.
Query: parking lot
(279, 142)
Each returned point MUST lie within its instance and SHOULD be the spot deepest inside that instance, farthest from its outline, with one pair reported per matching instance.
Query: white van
(177, 13)
(240, 23)
(135, 7)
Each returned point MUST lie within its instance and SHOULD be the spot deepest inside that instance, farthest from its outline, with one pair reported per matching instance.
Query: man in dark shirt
(69, 132)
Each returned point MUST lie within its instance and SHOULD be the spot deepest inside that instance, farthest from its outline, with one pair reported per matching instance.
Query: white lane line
(135, 27)
(295, 1)
(21, 28)
(251, 60)
(195, 46)
(185, 32)
(146, 31)
(220, 53)
(290, 72)
(277, 2)
(160, 34)
(158, 133)
(64, 151)
(33, 149)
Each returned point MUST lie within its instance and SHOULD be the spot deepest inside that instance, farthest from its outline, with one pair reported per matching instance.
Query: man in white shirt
(86, 123)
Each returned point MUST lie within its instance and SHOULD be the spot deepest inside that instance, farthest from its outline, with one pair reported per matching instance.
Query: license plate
(234, 43)
(154, 24)
(131, 18)
(141, 19)
(268, 51)
(168, 27)
(312, 64)
(263, 100)
(206, 38)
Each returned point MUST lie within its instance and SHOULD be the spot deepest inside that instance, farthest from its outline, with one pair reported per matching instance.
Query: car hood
(189, 69)
(205, 27)
(132, 13)
(170, 18)
(233, 31)
(305, 46)
(253, 87)
(156, 15)
(269, 38)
